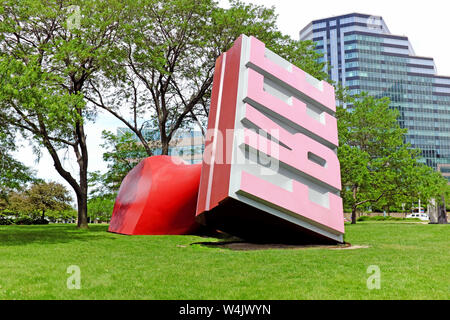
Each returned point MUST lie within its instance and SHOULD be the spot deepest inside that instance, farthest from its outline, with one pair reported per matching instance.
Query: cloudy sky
(425, 23)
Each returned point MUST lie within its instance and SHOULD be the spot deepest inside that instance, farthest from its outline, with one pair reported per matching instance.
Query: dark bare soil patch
(246, 246)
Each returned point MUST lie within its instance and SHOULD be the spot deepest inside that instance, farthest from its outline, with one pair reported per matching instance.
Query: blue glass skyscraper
(365, 56)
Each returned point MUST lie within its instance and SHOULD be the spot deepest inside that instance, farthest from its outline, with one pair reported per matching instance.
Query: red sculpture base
(157, 197)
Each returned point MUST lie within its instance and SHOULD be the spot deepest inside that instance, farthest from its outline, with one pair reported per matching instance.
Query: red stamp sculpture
(270, 170)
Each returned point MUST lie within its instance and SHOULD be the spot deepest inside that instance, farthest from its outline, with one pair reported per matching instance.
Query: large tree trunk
(165, 149)
(83, 164)
(354, 215)
(442, 214)
(79, 188)
(82, 211)
(354, 207)
(164, 145)
(82, 196)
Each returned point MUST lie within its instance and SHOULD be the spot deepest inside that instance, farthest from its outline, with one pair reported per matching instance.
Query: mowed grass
(414, 260)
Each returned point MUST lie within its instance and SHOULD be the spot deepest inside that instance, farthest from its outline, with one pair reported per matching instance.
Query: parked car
(422, 216)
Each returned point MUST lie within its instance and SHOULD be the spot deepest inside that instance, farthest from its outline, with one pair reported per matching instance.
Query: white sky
(425, 23)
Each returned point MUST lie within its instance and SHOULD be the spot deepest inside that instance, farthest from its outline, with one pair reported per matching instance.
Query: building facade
(186, 144)
(365, 56)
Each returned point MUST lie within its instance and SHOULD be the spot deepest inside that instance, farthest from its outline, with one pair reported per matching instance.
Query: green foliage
(122, 153)
(446, 193)
(153, 60)
(45, 65)
(261, 22)
(168, 51)
(26, 221)
(387, 218)
(377, 168)
(45, 196)
(68, 214)
(41, 199)
(101, 208)
(5, 219)
(13, 174)
(16, 204)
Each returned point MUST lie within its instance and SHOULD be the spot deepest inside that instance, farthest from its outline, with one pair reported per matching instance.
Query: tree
(61, 215)
(167, 56)
(376, 165)
(101, 208)
(48, 55)
(45, 196)
(443, 204)
(13, 174)
(15, 204)
(122, 153)
(37, 200)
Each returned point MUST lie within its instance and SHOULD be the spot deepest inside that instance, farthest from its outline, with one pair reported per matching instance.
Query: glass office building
(186, 144)
(365, 56)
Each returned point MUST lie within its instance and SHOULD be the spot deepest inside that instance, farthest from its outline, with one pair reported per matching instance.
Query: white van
(421, 216)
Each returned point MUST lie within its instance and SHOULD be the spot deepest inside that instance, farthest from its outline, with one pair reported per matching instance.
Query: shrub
(24, 221)
(387, 218)
(30, 221)
(5, 221)
(40, 221)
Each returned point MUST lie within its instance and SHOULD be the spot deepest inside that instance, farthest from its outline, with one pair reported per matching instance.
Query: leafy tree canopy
(37, 200)
(14, 175)
(122, 153)
(49, 50)
(166, 58)
(377, 167)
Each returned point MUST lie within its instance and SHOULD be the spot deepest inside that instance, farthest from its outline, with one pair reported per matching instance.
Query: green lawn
(414, 260)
